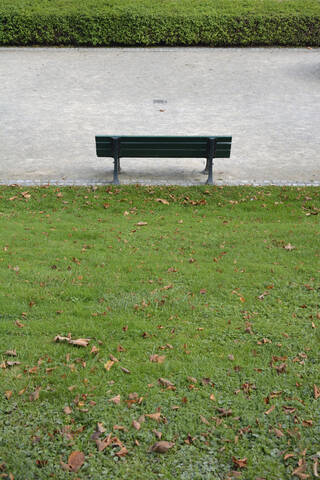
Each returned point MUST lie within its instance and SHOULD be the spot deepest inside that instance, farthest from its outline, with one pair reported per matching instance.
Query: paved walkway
(53, 101)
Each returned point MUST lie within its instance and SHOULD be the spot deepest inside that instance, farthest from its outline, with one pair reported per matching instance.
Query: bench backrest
(132, 146)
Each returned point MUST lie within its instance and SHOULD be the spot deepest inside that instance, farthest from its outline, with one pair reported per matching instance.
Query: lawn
(136, 315)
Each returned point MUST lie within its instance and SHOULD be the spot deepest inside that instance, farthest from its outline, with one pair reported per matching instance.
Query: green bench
(163, 147)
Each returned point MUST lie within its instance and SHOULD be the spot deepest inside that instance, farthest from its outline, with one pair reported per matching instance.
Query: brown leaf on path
(162, 200)
(157, 358)
(161, 447)
(136, 424)
(240, 463)
(115, 399)
(35, 395)
(316, 391)
(11, 353)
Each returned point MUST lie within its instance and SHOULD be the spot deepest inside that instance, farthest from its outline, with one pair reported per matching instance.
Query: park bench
(209, 147)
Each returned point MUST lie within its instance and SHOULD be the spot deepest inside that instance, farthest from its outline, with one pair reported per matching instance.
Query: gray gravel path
(54, 100)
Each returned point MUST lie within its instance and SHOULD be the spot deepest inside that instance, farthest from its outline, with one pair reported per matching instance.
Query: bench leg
(205, 168)
(209, 165)
(116, 170)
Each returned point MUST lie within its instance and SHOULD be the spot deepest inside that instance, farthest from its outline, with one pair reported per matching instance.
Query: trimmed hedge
(151, 29)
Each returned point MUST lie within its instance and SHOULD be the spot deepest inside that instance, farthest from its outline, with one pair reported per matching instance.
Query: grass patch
(169, 22)
(222, 282)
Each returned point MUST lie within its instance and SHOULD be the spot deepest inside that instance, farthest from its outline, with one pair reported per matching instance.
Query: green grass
(74, 260)
(166, 22)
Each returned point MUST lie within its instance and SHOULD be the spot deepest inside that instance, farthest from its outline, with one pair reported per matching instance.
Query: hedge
(150, 29)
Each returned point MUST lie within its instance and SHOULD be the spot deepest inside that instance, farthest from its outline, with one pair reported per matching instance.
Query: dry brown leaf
(141, 224)
(289, 247)
(204, 420)
(157, 358)
(315, 467)
(125, 370)
(75, 461)
(35, 395)
(161, 447)
(154, 416)
(59, 338)
(115, 399)
(19, 324)
(122, 452)
(136, 424)
(162, 200)
(270, 410)
(157, 434)
(114, 359)
(108, 365)
(316, 391)
(12, 363)
(8, 394)
(11, 353)
(165, 382)
(67, 410)
(94, 350)
(240, 463)
(80, 342)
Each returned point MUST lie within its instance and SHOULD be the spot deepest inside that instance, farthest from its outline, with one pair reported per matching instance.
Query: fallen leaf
(67, 410)
(80, 342)
(204, 420)
(11, 353)
(162, 200)
(136, 424)
(108, 365)
(75, 461)
(157, 434)
(122, 452)
(115, 399)
(154, 416)
(141, 224)
(161, 447)
(316, 392)
(35, 395)
(165, 382)
(289, 247)
(240, 463)
(125, 370)
(8, 394)
(157, 358)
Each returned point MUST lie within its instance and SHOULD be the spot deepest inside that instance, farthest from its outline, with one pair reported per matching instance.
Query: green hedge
(149, 29)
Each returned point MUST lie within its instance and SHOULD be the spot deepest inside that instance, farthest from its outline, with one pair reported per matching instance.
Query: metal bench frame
(211, 148)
